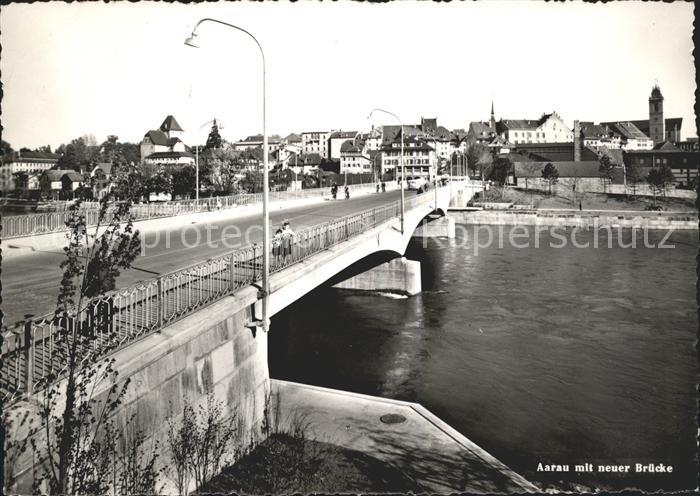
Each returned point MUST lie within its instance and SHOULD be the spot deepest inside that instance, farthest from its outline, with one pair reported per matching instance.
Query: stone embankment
(576, 218)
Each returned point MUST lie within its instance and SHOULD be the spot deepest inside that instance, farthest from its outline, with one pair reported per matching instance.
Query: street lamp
(434, 140)
(192, 41)
(403, 175)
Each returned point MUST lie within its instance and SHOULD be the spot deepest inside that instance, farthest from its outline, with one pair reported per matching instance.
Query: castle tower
(656, 115)
(492, 122)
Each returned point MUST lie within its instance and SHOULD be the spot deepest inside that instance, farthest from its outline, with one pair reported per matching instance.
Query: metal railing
(35, 350)
(15, 226)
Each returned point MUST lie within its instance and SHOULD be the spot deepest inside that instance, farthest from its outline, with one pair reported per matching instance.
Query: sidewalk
(423, 447)
(22, 246)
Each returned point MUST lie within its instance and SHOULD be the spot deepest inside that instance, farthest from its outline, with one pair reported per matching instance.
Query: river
(539, 355)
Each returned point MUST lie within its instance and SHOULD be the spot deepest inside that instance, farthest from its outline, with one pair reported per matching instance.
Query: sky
(121, 68)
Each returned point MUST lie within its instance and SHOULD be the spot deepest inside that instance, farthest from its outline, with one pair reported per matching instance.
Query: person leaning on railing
(287, 239)
(277, 244)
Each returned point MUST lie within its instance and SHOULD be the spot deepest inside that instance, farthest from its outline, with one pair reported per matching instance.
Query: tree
(160, 182)
(551, 175)
(214, 139)
(659, 179)
(633, 176)
(183, 181)
(220, 168)
(478, 158)
(74, 155)
(500, 170)
(43, 149)
(5, 149)
(606, 171)
(252, 182)
(78, 450)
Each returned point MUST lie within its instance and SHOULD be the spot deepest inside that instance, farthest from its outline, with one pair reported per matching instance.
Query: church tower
(656, 115)
(492, 123)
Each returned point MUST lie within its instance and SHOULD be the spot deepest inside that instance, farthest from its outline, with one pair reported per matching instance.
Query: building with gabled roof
(683, 163)
(60, 184)
(256, 141)
(30, 163)
(336, 141)
(354, 159)
(549, 128)
(629, 135)
(164, 146)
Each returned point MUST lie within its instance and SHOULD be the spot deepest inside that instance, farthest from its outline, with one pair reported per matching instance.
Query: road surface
(30, 283)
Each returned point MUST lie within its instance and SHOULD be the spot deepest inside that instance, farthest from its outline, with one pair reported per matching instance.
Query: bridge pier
(398, 275)
(442, 227)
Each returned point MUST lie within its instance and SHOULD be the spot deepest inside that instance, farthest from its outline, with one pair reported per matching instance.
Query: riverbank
(404, 435)
(588, 200)
(576, 218)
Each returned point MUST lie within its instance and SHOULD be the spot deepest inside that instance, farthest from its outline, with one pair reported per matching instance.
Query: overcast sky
(120, 68)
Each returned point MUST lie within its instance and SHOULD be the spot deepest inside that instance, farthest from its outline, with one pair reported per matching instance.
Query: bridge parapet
(35, 350)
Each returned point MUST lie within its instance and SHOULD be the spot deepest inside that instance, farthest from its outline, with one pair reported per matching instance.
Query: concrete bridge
(216, 345)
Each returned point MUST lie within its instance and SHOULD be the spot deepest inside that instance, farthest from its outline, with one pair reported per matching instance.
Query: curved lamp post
(192, 41)
(434, 140)
(403, 175)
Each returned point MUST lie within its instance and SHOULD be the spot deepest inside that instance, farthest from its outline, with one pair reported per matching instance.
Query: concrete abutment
(441, 227)
(398, 275)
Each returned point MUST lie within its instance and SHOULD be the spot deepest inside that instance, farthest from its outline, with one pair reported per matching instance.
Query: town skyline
(98, 88)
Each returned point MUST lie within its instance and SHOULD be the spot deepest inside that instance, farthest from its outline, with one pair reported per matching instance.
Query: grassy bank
(283, 464)
(589, 201)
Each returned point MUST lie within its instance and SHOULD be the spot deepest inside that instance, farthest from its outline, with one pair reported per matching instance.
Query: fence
(48, 222)
(36, 350)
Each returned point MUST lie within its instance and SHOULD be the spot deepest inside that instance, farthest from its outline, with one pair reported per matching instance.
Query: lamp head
(192, 41)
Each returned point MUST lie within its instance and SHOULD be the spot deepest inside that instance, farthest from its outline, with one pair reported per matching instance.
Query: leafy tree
(606, 171)
(44, 149)
(219, 169)
(479, 158)
(500, 170)
(160, 182)
(109, 148)
(633, 176)
(551, 175)
(74, 155)
(183, 181)
(77, 452)
(214, 138)
(659, 179)
(5, 149)
(252, 182)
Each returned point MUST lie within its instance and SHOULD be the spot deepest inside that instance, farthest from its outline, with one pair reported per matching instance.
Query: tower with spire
(492, 122)
(656, 115)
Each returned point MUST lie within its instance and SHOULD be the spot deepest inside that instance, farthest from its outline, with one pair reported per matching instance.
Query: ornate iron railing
(15, 226)
(37, 349)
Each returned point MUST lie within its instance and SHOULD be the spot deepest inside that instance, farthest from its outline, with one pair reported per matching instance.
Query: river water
(539, 355)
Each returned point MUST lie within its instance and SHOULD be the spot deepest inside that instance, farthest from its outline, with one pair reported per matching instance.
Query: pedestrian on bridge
(277, 245)
(287, 240)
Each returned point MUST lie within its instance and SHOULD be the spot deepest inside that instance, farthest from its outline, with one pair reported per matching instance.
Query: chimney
(577, 142)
